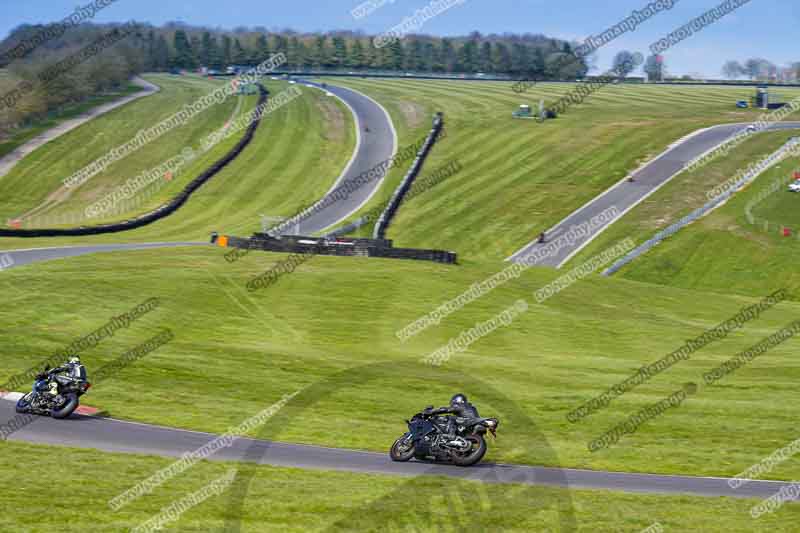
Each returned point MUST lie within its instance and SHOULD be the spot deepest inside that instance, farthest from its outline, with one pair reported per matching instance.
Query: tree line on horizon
(760, 69)
(191, 48)
(180, 46)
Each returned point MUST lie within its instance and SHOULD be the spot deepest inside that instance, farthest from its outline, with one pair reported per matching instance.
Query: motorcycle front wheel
(474, 454)
(24, 404)
(402, 450)
(67, 407)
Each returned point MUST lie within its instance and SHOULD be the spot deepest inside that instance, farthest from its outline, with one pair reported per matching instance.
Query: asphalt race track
(111, 435)
(37, 255)
(374, 147)
(625, 195)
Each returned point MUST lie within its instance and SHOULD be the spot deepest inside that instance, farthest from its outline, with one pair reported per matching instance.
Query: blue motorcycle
(53, 395)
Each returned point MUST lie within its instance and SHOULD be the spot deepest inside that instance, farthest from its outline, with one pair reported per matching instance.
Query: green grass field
(329, 328)
(38, 180)
(283, 499)
(234, 353)
(521, 177)
(722, 252)
(471, 212)
(268, 178)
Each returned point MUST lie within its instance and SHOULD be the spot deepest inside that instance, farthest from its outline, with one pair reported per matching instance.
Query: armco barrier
(337, 246)
(408, 180)
(160, 212)
(290, 243)
(700, 212)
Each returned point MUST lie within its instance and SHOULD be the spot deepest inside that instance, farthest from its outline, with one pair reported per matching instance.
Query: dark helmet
(458, 399)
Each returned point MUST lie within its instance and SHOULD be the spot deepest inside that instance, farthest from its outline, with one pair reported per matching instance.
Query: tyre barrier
(164, 210)
(332, 246)
(397, 198)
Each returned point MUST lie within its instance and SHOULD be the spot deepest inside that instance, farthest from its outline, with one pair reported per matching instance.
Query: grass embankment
(294, 158)
(521, 177)
(38, 179)
(234, 353)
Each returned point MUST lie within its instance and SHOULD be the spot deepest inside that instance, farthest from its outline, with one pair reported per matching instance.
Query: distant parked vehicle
(524, 111)
(795, 187)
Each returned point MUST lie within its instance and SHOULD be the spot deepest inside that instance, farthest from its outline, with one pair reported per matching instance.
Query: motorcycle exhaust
(458, 443)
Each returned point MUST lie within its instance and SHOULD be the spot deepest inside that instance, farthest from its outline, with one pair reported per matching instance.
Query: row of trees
(654, 67)
(755, 69)
(178, 46)
(514, 55)
(759, 69)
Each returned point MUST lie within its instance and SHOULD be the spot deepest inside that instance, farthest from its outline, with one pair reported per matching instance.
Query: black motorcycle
(40, 402)
(444, 438)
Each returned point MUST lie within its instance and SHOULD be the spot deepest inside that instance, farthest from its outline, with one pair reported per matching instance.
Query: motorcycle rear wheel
(69, 406)
(475, 454)
(397, 453)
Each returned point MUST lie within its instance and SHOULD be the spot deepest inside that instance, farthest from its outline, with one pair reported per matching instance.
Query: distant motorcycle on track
(450, 439)
(42, 401)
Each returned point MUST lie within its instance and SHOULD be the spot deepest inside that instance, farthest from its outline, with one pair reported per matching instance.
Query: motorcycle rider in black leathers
(71, 371)
(459, 406)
